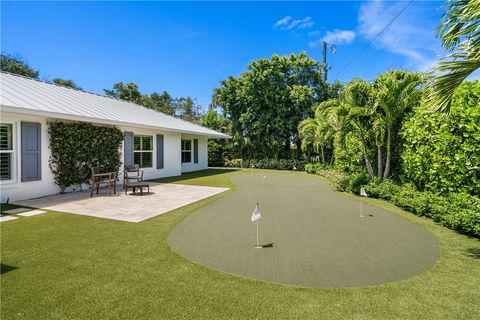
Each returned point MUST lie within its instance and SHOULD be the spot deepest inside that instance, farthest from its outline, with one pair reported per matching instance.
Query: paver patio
(163, 198)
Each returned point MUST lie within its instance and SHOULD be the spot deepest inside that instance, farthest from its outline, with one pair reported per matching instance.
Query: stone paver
(31, 213)
(163, 197)
(16, 210)
(7, 218)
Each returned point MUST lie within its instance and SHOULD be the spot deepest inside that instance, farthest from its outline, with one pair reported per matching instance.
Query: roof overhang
(72, 117)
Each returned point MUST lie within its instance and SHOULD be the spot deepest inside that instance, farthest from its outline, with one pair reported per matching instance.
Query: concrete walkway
(132, 208)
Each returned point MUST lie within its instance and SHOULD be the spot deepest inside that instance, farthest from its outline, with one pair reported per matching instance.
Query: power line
(374, 38)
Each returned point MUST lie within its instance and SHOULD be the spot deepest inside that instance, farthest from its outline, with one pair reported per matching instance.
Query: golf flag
(363, 193)
(256, 214)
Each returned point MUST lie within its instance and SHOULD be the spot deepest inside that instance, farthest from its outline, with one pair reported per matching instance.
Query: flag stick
(361, 207)
(257, 235)
(257, 246)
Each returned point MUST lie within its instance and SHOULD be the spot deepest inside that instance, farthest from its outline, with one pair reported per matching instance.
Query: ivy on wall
(76, 147)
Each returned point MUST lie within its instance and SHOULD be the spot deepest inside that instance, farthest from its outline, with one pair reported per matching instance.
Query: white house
(173, 146)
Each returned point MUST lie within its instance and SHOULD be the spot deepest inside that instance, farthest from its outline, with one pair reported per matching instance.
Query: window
(143, 151)
(186, 151)
(6, 151)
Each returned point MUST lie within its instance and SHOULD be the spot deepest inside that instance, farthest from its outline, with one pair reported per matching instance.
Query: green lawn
(65, 266)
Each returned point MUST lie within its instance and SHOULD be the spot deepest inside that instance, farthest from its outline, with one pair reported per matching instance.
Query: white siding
(17, 190)
(202, 154)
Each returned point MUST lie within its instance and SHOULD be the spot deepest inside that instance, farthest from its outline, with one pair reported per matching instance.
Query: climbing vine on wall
(76, 147)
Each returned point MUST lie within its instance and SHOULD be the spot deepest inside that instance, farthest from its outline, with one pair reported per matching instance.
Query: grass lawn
(65, 266)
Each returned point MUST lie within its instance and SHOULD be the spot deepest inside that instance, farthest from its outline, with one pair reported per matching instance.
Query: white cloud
(411, 35)
(282, 22)
(336, 36)
(288, 24)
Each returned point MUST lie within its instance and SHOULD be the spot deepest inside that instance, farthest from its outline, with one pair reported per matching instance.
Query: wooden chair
(132, 172)
(99, 177)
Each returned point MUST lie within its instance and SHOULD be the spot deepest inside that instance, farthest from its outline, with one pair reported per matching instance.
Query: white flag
(256, 214)
(363, 193)
(264, 176)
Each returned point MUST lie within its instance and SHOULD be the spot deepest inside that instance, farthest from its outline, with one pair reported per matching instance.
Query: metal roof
(29, 96)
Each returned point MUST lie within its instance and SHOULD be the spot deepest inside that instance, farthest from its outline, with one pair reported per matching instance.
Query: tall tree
(218, 149)
(357, 98)
(460, 34)
(318, 132)
(397, 92)
(161, 102)
(127, 92)
(187, 109)
(17, 65)
(267, 102)
(66, 83)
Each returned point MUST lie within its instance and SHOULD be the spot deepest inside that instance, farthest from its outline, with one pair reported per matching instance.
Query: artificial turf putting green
(312, 236)
(65, 266)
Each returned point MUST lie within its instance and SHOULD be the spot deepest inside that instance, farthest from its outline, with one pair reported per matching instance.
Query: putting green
(313, 236)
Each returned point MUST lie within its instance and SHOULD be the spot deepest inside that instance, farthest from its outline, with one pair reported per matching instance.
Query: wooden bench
(136, 185)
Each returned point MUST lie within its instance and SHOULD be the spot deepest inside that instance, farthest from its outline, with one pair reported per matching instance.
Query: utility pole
(324, 61)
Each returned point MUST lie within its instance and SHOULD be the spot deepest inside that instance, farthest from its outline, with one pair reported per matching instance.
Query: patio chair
(132, 172)
(100, 177)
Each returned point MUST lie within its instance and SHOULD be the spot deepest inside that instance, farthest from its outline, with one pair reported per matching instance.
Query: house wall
(15, 189)
(202, 154)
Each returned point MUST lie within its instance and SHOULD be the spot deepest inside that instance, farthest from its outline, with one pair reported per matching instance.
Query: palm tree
(460, 34)
(319, 131)
(396, 92)
(357, 97)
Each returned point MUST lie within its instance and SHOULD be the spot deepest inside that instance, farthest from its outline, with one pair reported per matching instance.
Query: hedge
(273, 164)
(76, 147)
(441, 152)
(457, 211)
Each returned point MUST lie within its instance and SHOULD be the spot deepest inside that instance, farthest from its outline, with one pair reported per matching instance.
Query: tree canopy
(184, 108)
(17, 65)
(460, 35)
(267, 102)
(66, 83)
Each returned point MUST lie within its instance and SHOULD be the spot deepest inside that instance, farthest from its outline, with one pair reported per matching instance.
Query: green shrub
(357, 181)
(457, 211)
(273, 164)
(76, 147)
(312, 168)
(234, 163)
(441, 152)
(339, 179)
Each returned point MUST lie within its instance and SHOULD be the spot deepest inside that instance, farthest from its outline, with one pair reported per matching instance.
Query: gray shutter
(159, 151)
(195, 150)
(31, 151)
(128, 149)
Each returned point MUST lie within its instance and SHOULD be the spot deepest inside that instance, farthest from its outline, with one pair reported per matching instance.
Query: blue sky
(186, 48)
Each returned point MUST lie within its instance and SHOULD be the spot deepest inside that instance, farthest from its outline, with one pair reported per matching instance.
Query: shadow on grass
(195, 174)
(473, 253)
(4, 268)
(6, 207)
